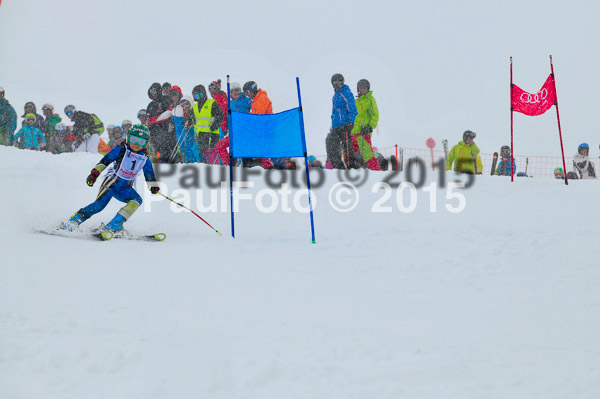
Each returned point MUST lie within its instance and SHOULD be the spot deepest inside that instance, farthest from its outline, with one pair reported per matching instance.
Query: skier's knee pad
(129, 209)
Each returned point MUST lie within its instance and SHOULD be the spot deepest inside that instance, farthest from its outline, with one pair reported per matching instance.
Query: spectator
(208, 116)
(343, 115)
(558, 173)
(30, 137)
(191, 153)
(62, 139)
(583, 167)
(142, 116)
(261, 105)
(165, 88)
(87, 129)
(29, 108)
(126, 125)
(174, 116)
(221, 98)
(118, 137)
(109, 129)
(50, 132)
(163, 140)
(504, 165)
(464, 154)
(239, 103)
(366, 120)
(8, 120)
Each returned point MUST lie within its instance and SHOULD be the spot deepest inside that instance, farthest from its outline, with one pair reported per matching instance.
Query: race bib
(131, 165)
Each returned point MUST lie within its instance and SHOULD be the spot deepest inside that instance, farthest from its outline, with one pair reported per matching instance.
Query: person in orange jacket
(261, 105)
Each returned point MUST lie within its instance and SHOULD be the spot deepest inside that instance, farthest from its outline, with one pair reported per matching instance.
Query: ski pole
(183, 206)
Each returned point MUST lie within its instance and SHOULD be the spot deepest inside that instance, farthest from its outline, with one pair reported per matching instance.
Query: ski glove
(349, 126)
(154, 190)
(366, 129)
(86, 136)
(91, 179)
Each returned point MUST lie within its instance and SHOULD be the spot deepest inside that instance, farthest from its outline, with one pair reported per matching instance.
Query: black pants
(206, 140)
(338, 140)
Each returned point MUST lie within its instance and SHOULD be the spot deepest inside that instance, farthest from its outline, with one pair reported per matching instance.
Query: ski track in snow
(498, 301)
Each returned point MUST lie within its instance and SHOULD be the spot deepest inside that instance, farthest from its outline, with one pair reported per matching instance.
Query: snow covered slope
(498, 301)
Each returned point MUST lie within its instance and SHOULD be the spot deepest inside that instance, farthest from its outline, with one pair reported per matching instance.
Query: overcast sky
(436, 68)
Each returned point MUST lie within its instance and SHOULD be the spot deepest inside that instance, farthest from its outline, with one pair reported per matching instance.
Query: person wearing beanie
(30, 137)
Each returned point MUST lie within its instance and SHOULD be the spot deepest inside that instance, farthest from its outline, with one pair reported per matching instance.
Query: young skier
(129, 159)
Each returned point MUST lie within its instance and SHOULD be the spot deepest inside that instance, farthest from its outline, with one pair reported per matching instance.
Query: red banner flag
(534, 104)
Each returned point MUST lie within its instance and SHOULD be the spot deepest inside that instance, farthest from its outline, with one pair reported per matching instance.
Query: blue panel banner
(266, 136)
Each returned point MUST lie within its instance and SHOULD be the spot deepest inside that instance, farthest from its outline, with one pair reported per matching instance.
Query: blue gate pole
(230, 157)
(312, 221)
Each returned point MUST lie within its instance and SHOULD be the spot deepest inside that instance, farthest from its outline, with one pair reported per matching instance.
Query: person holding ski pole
(128, 160)
(464, 154)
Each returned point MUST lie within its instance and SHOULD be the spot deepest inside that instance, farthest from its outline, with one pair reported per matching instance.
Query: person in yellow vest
(209, 116)
(464, 154)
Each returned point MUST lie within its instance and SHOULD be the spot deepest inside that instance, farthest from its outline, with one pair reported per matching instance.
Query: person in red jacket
(221, 98)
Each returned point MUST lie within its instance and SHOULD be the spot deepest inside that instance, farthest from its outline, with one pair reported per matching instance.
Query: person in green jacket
(51, 120)
(8, 121)
(464, 155)
(366, 120)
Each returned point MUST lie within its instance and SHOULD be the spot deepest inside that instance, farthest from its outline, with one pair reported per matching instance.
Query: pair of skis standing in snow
(126, 162)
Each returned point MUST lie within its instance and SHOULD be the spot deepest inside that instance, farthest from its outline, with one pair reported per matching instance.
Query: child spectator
(504, 165)
(29, 108)
(583, 167)
(30, 137)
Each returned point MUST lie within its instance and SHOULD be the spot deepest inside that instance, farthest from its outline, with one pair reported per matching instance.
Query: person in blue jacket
(30, 137)
(239, 101)
(128, 160)
(342, 121)
(504, 165)
(8, 120)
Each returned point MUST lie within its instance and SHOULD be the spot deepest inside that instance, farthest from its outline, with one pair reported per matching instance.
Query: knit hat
(235, 85)
(215, 85)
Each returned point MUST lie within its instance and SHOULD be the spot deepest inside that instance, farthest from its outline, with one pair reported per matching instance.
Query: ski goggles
(138, 141)
(69, 113)
(198, 95)
(337, 83)
(30, 119)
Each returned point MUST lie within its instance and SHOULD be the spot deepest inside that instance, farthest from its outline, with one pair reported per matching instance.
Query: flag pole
(312, 220)
(512, 147)
(562, 150)
(230, 157)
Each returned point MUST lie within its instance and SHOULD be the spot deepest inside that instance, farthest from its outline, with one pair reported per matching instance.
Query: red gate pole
(512, 147)
(558, 119)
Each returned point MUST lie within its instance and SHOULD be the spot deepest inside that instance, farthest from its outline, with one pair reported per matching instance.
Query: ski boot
(115, 226)
(72, 224)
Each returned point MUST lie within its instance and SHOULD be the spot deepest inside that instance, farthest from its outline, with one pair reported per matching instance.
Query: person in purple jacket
(343, 115)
